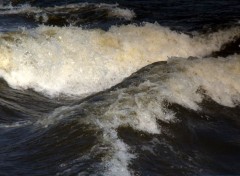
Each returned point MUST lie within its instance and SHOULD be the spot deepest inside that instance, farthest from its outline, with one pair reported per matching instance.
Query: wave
(186, 82)
(149, 75)
(72, 14)
(143, 100)
(74, 61)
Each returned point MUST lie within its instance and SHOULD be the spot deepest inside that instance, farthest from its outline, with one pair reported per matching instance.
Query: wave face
(79, 62)
(156, 102)
(89, 88)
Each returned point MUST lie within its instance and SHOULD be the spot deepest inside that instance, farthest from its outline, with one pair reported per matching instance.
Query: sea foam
(74, 61)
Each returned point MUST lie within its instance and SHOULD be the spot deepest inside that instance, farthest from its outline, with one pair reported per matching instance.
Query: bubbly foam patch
(74, 61)
(218, 77)
(184, 82)
(117, 165)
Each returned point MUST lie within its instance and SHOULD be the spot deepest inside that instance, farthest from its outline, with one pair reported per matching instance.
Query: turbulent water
(122, 88)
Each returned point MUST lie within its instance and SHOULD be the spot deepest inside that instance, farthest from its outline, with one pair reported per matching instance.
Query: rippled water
(120, 88)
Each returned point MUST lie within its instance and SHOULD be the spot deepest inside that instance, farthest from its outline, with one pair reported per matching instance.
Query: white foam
(141, 106)
(218, 77)
(117, 165)
(74, 61)
(122, 13)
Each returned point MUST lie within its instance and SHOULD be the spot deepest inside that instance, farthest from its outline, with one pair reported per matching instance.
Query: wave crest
(74, 61)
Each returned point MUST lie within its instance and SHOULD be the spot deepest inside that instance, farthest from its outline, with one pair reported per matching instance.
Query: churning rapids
(80, 98)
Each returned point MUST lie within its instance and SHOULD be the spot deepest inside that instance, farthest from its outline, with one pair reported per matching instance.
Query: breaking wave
(77, 62)
(142, 100)
(137, 99)
(74, 61)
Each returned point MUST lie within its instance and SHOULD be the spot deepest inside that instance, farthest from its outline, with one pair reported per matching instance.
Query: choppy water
(126, 88)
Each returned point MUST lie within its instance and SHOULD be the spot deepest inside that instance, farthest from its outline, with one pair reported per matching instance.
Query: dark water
(177, 114)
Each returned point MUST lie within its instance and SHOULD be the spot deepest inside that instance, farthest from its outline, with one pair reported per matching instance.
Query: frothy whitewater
(75, 61)
(131, 98)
